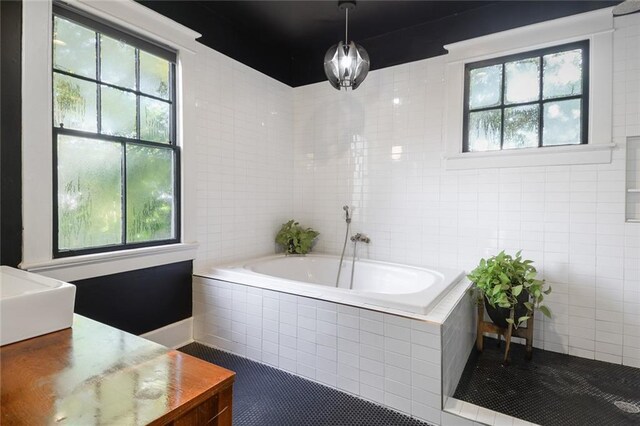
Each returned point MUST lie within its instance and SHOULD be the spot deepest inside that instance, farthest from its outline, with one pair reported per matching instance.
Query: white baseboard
(173, 335)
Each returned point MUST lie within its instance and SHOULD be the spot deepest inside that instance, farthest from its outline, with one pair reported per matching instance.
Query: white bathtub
(377, 285)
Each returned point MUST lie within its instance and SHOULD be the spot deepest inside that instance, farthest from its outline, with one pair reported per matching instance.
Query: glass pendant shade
(346, 65)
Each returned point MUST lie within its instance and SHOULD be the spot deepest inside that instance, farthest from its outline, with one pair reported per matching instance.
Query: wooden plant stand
(507, 333)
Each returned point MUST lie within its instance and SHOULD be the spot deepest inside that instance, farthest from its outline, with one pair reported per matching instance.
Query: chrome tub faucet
(362, 238)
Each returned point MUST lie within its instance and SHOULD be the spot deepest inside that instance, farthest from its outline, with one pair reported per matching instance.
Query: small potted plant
(295, 239)
(510, 291)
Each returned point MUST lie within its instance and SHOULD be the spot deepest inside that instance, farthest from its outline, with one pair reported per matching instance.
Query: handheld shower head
(347, 215)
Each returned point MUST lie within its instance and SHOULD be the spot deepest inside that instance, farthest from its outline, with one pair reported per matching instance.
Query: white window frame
(597, 27)
(37, 205)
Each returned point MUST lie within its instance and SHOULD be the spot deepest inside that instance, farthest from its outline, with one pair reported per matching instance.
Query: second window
(533, 99)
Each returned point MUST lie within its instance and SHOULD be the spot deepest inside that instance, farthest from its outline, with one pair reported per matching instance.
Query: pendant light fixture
(346, 64)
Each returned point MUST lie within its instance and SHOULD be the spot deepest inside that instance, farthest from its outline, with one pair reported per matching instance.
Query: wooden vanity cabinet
(94, 374)
(215, 411)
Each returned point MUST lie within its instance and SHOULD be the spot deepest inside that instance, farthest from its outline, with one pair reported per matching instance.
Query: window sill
(99, 264)
(531, 157)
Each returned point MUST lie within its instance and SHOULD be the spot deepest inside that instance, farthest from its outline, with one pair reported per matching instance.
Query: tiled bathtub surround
(380, 149)
(388, 359)
(458, 338)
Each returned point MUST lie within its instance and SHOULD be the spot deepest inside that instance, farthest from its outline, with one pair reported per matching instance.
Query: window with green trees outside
(115, 154)
(533, 99)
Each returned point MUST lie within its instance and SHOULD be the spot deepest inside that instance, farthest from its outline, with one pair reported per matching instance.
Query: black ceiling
(287, 39)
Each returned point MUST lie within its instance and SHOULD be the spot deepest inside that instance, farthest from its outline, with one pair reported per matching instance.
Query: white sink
(32, 305)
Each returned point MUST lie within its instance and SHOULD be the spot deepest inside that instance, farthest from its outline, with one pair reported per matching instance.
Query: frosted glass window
(74, 48)
(118, 112)
(154, 75)
(118, 62)
(522, 81)
(114, 134)
(484, 130)
(89, 201)
(154, 120)
(485, 86)
(521, 126)
(74, 103)
(527, 100)
(563, 74)
(562, 123)
(150, 193)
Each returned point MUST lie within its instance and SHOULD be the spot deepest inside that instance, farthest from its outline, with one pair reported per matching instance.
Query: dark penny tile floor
(552, 389)
(266, 396)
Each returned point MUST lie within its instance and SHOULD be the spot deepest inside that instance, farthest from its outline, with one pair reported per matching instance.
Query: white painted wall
(380, 149)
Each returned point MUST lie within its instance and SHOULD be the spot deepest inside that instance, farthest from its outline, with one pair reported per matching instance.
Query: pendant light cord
(346, 26)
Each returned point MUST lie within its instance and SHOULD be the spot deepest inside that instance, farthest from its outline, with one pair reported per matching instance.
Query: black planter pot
(499, 315)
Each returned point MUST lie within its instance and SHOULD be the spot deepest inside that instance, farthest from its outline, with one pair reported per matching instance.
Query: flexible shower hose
(344, 246)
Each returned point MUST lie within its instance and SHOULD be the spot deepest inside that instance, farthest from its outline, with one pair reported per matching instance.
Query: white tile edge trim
(460, 408)
(525, 157)
(173, 335)
(99, 264)
(451, 300)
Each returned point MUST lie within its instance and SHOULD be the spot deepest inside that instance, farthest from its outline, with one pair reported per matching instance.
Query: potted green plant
(295, 239)
(510, 291)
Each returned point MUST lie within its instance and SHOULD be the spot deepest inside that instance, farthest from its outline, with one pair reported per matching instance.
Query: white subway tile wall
(379, 149)
(626, 93)
(245, 159)
(390, 360)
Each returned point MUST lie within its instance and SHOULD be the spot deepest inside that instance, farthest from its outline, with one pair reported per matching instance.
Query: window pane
(484, 130)
(562, 124)
(485, 86)
(74, 48)
(562, 74)
(117, 62)
(154, 75)
(74, 103)
(154, 120)
(522, 81)
(521, 126)
(118, 112)
(89, 193)
(150, 198)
